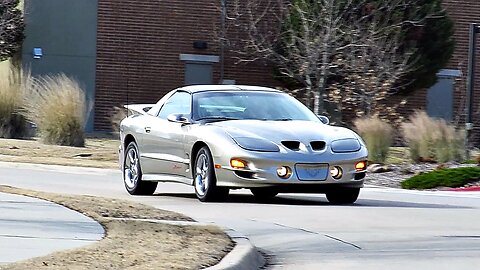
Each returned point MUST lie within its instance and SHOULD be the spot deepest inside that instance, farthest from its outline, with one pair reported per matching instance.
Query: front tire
(204, 179)
(132, 173)
(343, 195)
(263, 193)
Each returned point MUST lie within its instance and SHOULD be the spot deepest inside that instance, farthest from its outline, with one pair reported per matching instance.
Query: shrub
(432, 139)
(377, 134)
(456, 177)
(12, 122)
(118, 114)
(57, 105)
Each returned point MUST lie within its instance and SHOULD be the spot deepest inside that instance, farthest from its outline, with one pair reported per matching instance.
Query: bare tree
(358, 46)
(299, 38)
(11, 28)
(372, 73)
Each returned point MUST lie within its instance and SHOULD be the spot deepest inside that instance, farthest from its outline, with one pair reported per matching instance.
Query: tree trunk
(318, 106)
(318, 102)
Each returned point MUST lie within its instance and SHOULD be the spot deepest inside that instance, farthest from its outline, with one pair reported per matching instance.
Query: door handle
(148, 129)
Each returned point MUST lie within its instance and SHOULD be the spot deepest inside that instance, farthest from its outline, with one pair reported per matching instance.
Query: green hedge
(456, 177)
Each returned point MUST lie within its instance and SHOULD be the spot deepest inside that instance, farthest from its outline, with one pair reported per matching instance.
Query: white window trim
(199, 58)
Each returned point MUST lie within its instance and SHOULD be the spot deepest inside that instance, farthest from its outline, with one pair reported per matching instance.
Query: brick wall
(139, 43)
(464, 12)
(138, 49)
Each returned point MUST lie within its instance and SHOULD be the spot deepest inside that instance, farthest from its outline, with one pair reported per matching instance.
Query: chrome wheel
(132, 173)
(131, 168)
(202, 174)
(204, 179)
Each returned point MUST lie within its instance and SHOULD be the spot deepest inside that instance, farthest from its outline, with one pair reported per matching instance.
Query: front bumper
(262, 171)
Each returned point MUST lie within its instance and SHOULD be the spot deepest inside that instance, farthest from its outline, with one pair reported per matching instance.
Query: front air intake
(292, 145)
(318, 145)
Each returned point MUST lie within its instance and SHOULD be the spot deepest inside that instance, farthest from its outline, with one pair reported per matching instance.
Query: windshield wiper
(217, 118)
(270, 119)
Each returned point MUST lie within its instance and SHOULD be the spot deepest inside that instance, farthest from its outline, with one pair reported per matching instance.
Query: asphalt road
(385, 229)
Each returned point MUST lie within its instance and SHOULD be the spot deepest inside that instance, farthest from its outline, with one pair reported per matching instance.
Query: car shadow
(278, 200)
(400, 204)
(177, 195)
(288, 199)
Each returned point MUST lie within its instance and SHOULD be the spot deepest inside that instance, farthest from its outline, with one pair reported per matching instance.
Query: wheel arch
(128, 139)
(193, 155)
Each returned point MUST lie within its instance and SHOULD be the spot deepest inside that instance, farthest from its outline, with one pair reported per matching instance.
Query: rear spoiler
(134, 109)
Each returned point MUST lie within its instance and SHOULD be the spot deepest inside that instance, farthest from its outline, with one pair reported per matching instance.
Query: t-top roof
(203, 88)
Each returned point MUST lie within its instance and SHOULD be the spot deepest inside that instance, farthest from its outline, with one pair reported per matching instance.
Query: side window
(180, 102)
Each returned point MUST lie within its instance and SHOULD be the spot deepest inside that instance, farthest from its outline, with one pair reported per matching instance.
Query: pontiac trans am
(218, 138)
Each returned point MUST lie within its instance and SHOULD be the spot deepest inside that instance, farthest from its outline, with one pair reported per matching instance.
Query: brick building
(463, 13)
(146, 49)
(135, 51)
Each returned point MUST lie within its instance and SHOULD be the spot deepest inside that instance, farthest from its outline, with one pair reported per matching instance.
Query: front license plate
(312, 172)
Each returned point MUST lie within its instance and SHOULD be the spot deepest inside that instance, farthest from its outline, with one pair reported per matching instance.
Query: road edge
(244, 256)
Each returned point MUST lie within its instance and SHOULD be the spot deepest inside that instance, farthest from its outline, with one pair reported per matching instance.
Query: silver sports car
(218, 138)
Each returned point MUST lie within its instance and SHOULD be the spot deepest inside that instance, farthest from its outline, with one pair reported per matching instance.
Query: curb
(459, 189)
(465, 189)
(244, 256)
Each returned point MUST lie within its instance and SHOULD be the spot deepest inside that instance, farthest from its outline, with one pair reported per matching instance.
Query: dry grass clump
(432, 139)
(12, 122)
(119, 113)
(57, 105)
(377, 134)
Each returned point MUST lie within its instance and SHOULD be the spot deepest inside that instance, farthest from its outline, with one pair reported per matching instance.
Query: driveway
(385, 229)
(31, 227)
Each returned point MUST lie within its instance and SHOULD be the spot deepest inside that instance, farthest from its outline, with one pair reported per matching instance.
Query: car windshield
(258, 105)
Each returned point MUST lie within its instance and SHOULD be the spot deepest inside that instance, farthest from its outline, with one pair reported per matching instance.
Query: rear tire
(343, 195)
(263, 193)
(204, 179)
(132, 173)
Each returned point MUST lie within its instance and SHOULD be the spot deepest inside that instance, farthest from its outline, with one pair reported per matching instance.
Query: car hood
(278, 131)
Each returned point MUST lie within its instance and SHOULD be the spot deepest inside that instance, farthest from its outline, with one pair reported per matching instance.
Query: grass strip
(99, 153)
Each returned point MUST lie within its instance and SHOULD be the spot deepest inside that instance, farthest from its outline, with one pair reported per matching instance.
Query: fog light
(360, 166)
(238, 163)
(284, 172)
(336, 172)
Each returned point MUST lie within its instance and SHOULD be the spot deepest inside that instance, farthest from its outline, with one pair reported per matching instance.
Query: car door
(163, 142)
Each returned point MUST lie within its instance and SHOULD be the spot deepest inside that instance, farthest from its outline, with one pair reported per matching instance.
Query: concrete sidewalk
(31, 227)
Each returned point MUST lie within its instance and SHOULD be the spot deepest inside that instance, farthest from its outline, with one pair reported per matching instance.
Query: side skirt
(167, 178)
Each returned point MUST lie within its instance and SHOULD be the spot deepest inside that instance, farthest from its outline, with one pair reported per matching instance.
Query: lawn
(98, 152)
(133, 240)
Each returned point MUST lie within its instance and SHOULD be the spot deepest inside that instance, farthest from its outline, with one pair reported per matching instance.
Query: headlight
(362, 142)
(238, 163)
(254, 144)
(336, 172)
(360, 166)
(345, 146)
(284, 172)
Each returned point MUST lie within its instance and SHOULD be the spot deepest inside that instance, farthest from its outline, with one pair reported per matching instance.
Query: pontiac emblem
(313, 172)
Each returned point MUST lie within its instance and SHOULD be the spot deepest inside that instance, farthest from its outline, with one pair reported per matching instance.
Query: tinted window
(249, 105)
(180, 102)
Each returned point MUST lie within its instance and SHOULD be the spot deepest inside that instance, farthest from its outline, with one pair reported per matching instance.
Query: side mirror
(324, 119)
(178, 118)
